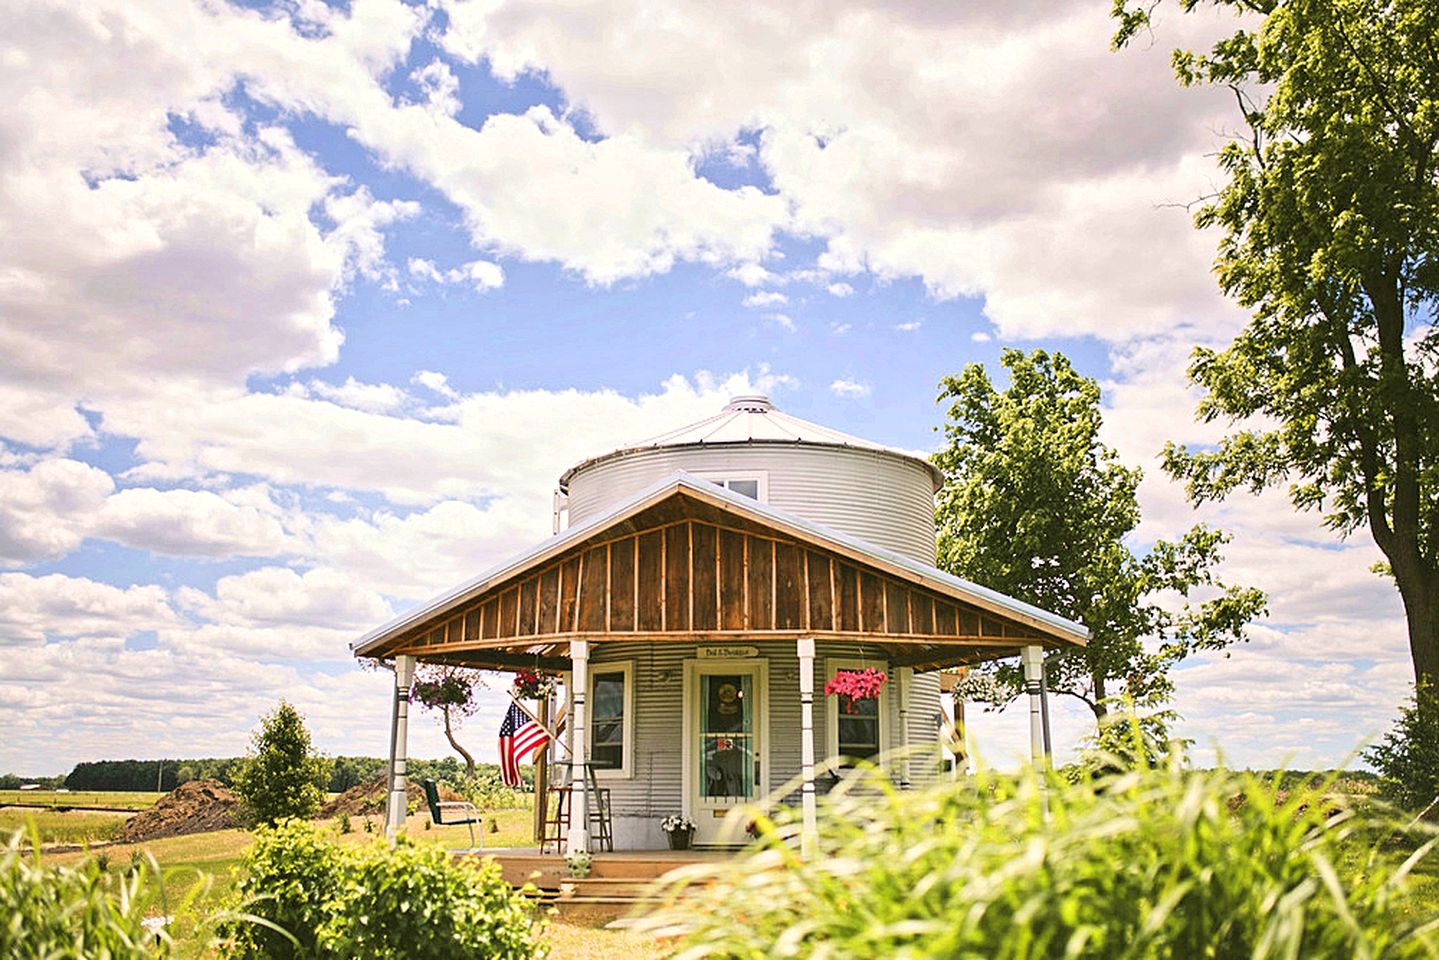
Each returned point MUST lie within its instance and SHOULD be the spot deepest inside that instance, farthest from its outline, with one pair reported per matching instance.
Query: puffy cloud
(44, 510)
(481, 274)
(189, 523)
(851, 389)
(55, 605)
(766, 298)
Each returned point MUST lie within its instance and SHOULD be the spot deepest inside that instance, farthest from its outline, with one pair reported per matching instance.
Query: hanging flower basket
(532, 685)
(855, 685)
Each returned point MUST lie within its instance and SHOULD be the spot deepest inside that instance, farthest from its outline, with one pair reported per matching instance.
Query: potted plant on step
(679, 829)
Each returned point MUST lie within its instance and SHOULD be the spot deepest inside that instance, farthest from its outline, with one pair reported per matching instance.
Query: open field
(116, 800)
(61, 826)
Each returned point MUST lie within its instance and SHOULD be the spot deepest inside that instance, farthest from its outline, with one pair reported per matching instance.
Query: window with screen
(610, 691)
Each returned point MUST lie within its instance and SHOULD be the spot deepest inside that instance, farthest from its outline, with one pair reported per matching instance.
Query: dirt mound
(195, 807)
(369, 798)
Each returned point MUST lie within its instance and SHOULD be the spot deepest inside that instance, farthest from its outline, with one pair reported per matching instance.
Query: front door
(725, 741)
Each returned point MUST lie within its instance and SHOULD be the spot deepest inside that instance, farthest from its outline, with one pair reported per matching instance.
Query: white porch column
(579, 836)
(903, 677)
(809, 827)
(399, 746)
(1032, 658)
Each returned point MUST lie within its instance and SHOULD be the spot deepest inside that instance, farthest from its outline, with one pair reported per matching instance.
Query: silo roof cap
(754, 419)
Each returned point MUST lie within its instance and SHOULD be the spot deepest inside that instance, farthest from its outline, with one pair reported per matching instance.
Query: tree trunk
(1419, 588)
(450, 736)
(1099, 706)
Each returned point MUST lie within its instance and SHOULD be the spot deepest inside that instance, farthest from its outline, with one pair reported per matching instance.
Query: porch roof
(758, 572)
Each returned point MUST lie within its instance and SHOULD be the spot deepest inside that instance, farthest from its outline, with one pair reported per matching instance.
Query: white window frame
(722, 478)
(626, 667)
(832, 707)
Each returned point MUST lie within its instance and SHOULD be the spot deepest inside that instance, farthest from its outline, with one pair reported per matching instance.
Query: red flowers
(852, 685)
(531, 685)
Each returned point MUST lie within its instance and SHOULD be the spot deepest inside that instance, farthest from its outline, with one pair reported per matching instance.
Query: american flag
(520, 736)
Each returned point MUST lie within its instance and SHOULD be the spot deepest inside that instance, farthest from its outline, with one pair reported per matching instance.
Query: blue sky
(304, 309)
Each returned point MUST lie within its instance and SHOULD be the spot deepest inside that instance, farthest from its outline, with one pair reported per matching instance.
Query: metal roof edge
(936, 475)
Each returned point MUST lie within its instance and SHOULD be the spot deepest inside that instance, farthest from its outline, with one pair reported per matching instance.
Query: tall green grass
(75, 913)
(1169, 864)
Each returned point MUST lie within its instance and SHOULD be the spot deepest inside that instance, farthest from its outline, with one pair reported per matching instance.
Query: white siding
(654, 789)
(883, 498)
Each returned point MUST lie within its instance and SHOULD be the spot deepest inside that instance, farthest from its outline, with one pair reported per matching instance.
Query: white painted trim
(690, 728)
(627, 667)
(831, 704)
(720, 477)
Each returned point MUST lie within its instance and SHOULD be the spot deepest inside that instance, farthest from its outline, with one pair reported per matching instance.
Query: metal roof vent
(749, 403)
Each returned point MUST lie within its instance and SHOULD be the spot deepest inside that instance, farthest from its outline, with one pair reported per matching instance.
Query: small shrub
(343, 823)
(77, 913)
(283, 776)
(1408, 757)
(369, 824)
(304, 897)
(1149, 865)
(102, 862)
(291, 873)
(417, 903)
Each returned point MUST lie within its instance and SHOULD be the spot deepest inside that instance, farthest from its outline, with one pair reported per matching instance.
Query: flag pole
(531, 714)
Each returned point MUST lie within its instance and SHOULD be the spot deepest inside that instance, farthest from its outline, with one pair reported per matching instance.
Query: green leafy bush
(283, 776)
(73, 913)
(416, 903)
(1408, 757)
(305, 897)
(291, 876)
(1165, 864)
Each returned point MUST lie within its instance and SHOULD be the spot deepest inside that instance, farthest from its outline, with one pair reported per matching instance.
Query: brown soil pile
(369, 798)
(195, 807)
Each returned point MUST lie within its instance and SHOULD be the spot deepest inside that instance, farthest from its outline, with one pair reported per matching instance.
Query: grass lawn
(57, 826)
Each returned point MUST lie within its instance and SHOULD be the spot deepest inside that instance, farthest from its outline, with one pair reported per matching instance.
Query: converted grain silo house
(706, 586)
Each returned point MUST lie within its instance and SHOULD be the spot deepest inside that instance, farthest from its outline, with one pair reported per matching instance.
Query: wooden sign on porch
(726, 653)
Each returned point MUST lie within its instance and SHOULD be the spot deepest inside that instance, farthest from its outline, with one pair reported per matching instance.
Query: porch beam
(503, 660)
(809, 827)
(728, 636)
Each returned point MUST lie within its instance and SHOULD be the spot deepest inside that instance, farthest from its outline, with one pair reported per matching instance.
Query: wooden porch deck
(618, 884)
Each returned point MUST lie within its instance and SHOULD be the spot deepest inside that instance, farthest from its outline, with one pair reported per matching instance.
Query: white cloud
(44, 510)
(782, 320)
(850, 389)
(766, 298)
(909, 326)
(370, 397)
(437, 382)
(189, 523)
(753, 275)
(980, 336)
(840, 289)
(55, 605)
(481, 274)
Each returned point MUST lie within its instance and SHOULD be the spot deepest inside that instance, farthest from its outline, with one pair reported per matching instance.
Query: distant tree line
(142, 774)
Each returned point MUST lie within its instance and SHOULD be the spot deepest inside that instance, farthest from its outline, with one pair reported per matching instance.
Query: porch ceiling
(691, 562)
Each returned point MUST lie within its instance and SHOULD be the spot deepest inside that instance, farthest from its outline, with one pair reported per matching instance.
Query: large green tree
(1330, 220)
(1036, 506)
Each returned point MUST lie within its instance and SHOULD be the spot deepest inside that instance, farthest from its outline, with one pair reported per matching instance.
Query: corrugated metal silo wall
(883, 499)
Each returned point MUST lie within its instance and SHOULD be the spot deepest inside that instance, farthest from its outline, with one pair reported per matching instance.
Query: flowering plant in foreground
(856, 685)
(677, 823)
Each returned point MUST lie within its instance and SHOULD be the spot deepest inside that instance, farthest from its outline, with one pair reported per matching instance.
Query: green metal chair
(437, 814)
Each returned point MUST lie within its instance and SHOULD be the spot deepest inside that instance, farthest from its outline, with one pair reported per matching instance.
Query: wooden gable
(686, 569)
